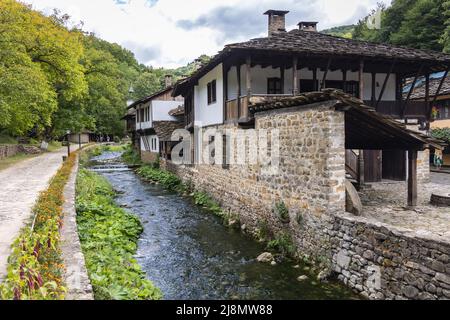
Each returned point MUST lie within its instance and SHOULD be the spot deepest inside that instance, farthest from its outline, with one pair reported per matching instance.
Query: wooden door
(373, 165)
(394, 165)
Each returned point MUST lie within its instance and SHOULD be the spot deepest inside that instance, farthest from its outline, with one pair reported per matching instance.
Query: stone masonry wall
(311, 177)
(8, 151)
(373, 259)
(383, 262)
(423, 167)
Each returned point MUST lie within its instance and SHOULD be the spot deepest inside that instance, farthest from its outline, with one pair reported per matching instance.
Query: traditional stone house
(130, 124)
(304, 60)
(279, 82)
(153, 120)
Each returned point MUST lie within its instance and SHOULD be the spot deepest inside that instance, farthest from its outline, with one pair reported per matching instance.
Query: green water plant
(282, 211)
(166, 179)
(109, 237)
(283, 243)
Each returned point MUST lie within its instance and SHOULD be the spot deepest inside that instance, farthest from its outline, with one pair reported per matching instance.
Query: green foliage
(131, 157)
(283, 243)
(442, 134)
(109, 238)
(282, 211)
(263, 232)
(413, 23)
(204, 200)
(341, 31)
(166, 179)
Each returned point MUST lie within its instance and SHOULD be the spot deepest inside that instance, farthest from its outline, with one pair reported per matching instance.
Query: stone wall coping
(75, 276)
(395, 230)
(323, 105)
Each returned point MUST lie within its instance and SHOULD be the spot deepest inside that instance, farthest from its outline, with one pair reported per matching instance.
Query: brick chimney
(308, 26)
(277, 21)
(168, 80)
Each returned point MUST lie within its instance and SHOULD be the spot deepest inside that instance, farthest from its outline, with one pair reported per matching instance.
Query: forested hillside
(423, 24)
(342, 31)
(54, 78)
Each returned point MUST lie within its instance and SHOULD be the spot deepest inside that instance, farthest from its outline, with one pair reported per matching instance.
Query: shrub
(166, 179)
(283, 243)
(130, 156)
(109, 237)
(204, 200)
(282, 211)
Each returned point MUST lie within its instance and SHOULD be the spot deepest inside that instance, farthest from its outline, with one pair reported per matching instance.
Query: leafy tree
(413, 23)
(146, 84)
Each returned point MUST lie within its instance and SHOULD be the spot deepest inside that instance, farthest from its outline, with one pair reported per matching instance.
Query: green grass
(5, 139)
(10, 161)
(109, 237)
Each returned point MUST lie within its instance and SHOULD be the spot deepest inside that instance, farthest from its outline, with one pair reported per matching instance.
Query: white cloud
(154, 30)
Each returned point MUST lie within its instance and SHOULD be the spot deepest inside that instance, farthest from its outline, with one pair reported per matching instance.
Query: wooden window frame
(212, 92)
(278, 88)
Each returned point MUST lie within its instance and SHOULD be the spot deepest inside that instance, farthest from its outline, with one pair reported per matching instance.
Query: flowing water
(189, 254)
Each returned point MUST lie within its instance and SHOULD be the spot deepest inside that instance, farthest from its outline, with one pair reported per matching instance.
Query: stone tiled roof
(164, 129)
(318, 44)
(347, 103)
(130, 114)
(300, 41)
(177, 112)
(419, 92)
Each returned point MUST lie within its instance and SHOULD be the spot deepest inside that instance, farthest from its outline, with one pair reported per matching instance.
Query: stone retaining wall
(75, 276)
(368, 257)
(383, 262)
(8, 150)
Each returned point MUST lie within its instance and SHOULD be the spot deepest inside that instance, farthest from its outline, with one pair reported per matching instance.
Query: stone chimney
(168, 80)
(308, 26)
(277, 21)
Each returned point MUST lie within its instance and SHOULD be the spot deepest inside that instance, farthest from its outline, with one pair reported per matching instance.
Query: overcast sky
(170, 33)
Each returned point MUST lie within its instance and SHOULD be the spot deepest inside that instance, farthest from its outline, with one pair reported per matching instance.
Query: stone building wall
(311, 177)
(423, 167)
(149, 157)
(383, 262)
(8, 151)
(371, 258)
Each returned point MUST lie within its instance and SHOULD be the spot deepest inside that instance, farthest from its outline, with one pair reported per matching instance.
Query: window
(225, 152)
(142, 115)
(212, 93)
(154, 144)
(274, 86)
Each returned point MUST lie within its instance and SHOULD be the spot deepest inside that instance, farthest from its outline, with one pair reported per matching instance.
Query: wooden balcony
(237, 110)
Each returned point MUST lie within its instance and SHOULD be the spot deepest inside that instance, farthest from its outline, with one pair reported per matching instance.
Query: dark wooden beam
(388, 75)
(315, 79)
(248, 75)
(324, 79)
(361, 79)
(295, 81)
(344, 79)
(374, 87)
(427, 93)
(405, 104)
(225, 91)
(282, 73)
(441, 83)
(239, 88)
(412, 178)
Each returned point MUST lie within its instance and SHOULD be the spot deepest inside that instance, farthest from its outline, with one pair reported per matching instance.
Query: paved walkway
(386, 203)
(20, 186)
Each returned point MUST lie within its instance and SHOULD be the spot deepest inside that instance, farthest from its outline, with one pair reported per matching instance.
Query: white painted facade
(156, 110)
(209, 114)
(150, 143)
(260, 75)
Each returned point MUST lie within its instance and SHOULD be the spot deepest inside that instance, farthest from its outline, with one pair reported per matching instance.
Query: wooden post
(315, 86)
(361, 168)
(324, 79)
(405, 104)
(344, 80)
(391, 69)
(361, 79)
(427, 93)
(294, 76)
(282, 71)
(225, 93)
(374, 87)
(248, 87)
(412, 178)
(239, 89)
(361, 181)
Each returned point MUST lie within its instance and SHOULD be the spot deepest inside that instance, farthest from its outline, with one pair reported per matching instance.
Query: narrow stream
(189, 254)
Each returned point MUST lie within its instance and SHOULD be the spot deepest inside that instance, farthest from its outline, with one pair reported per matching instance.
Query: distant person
(438, 162)
(107, 139)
